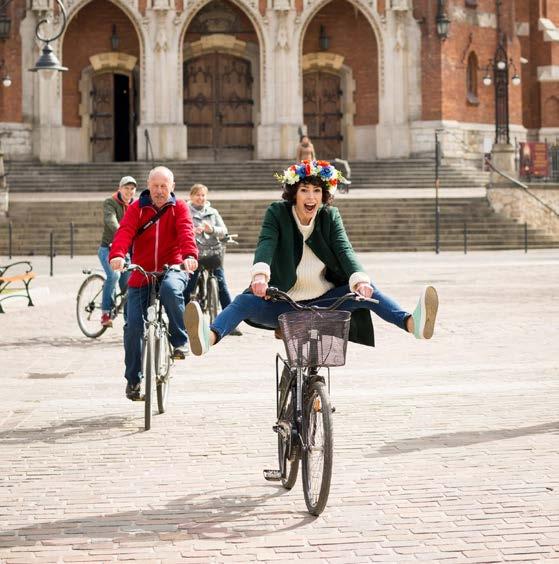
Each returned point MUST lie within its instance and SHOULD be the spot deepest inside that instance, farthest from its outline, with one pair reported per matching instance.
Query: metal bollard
(10, 228)
(72, 239)
(525, 237)
(51, 253)
(465, 237)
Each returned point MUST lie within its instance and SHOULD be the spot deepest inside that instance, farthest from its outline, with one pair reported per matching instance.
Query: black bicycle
(315, 338)
(88, 304)
(206, 292)
(156, 350)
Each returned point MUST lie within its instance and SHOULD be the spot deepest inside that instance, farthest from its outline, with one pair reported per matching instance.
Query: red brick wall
(10, 53)
(359, 49)
(89, 33)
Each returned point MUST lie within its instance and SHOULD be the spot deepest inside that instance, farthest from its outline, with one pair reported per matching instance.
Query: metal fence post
(51, 253)
(437, 184)
(72, 239)
(10, 228)
(465, 237)
(525, 237)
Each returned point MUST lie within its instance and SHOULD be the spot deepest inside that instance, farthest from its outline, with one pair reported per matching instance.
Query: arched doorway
(341, 82)
(220, 83)
(322, 111)
(100, 105)
(113, 125)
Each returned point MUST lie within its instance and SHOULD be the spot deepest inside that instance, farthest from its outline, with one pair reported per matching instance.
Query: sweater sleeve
(220, 229)
(185, 231)
(125, 233)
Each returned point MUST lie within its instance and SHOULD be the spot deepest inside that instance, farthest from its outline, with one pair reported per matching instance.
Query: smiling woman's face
(307, 202)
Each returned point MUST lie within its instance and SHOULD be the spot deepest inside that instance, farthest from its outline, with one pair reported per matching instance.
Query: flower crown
(306, 169)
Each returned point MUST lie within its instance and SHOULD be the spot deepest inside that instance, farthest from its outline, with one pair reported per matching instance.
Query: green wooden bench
(14, 284)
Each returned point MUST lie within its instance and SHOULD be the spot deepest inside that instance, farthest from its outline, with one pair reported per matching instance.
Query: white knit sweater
(311, 281)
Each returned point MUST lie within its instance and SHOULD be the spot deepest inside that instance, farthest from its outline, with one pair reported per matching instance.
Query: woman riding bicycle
(303, 249)
(209, 229)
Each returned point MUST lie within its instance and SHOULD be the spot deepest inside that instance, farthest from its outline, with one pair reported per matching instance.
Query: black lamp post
(48, 61)
(500, 66)
(442, 21)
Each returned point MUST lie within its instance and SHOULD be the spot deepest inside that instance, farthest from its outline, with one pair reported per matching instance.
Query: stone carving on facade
(282, 37)
(161, 43)
(40, 5)
(400, 5)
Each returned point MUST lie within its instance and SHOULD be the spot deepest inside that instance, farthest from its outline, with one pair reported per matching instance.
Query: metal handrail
(149, 148)
(522, 186)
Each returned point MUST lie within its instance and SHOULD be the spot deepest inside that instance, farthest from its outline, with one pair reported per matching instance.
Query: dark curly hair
(290, 190)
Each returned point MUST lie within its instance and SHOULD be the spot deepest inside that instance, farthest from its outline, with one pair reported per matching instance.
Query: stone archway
(332, 56)
(100, 98)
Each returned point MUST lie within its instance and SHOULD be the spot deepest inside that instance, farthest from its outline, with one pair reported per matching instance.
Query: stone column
(502, 157)
(161, 87)
(281, 87)
(400, 87)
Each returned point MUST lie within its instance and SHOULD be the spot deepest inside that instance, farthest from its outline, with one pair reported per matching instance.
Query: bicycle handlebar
(277, 295)
(130, 267)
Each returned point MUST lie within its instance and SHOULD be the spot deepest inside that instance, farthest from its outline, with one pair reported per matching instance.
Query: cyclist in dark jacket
(113, 211)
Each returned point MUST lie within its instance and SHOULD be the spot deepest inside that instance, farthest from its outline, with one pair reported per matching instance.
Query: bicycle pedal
(333, 409)
(272, 475)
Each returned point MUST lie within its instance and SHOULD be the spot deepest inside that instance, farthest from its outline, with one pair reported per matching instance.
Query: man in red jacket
(169, 240)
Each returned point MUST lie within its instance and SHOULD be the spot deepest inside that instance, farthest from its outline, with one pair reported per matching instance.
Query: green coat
(280, 245)
(113, 212)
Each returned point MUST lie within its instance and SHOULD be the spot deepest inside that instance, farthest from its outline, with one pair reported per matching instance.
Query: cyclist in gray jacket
(209, 229)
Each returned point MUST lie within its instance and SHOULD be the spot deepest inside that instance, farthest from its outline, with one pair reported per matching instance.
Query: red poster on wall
(534, 160)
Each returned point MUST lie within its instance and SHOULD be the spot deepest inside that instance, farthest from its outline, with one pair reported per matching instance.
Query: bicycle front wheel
(148, 372)
(213, 298)
(88, 306)
(318, 448)
(288, 452)
(163, 368)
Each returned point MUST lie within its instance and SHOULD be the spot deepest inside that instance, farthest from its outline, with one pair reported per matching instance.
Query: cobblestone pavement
(444, 451)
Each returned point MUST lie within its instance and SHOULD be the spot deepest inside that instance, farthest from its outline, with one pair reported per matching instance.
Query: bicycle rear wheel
(288, 452)
(163, 368)
(213, 298)
(88, 306)
(148, 371)
(318, 451)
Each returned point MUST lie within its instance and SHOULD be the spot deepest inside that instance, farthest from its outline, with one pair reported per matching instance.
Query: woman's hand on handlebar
(364, 289)
(259, 285)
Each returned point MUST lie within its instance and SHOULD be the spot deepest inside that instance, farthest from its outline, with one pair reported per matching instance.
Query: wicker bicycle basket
(315, 338)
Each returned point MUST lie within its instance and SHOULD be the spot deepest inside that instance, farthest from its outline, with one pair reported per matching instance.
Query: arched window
(471, 80)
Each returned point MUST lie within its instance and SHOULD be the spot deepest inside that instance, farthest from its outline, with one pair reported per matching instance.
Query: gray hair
(162, 170)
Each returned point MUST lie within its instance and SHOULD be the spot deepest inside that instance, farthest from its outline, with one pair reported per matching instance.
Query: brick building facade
(238, 79)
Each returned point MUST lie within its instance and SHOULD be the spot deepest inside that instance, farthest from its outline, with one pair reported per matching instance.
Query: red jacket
(169, 241)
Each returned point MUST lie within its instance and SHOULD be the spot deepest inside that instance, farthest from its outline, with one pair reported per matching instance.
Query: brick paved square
(444, 450)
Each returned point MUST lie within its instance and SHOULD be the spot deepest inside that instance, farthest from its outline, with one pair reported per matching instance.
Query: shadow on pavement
(83, 429)
(218, 515)
(81, 342)
(453, 440)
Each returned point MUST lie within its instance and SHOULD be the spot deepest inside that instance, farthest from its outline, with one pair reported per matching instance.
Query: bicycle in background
(206, 292)
(343, 187)
(315, 338)
(88, 304)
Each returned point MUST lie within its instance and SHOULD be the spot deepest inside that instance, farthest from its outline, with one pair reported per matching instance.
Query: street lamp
(499, 66)
(48, 62)
(6, 80)
(442, 21)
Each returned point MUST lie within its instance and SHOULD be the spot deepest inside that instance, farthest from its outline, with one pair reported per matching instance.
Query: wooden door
(218, 107)
(102, 117)
(322, 112)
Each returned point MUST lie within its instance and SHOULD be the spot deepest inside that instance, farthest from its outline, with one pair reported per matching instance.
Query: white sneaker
(197, 329)
(425, 313)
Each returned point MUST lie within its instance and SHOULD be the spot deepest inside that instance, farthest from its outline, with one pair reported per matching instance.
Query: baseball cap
(127, 180)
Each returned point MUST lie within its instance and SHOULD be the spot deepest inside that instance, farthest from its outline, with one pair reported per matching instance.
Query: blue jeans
(171, 294)
(224, 295)
(112, 278)
(265, 312)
